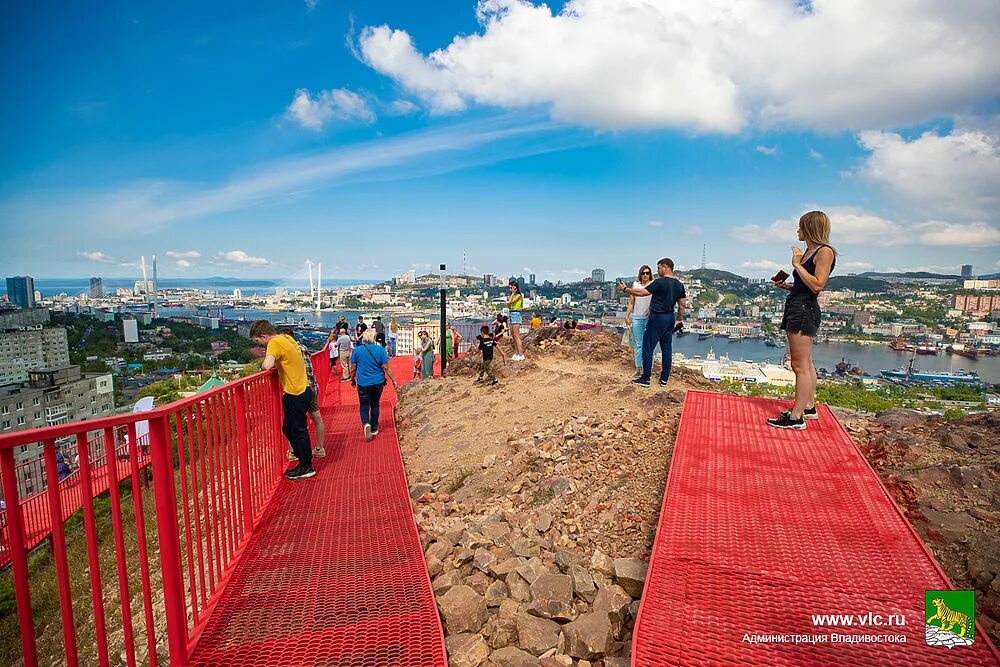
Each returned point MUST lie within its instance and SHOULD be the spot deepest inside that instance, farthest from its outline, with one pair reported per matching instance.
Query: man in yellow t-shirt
(284, 355)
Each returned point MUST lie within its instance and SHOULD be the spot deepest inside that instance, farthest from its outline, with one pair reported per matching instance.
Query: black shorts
(802, 315)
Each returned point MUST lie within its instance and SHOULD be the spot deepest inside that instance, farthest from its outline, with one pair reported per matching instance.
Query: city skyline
(382, 139)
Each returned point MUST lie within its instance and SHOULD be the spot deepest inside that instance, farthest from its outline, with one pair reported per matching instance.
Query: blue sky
(242, 138)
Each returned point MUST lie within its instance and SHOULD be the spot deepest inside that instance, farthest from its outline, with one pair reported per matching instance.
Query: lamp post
(444, 315)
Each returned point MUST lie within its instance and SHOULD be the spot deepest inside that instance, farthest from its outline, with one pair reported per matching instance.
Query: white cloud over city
(955, 174)
(96, 257)
(710, 66)
(241, 257)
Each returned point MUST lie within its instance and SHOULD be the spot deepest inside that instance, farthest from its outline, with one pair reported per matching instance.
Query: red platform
(761, 528)
(334, 574)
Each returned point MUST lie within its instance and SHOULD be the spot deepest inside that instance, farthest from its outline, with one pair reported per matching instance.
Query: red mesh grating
(761, 528)
(334, 575)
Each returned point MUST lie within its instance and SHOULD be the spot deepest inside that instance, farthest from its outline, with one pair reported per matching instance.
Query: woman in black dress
(802, 315)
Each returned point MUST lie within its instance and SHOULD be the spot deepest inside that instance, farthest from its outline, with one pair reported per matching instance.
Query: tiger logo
(949, 618)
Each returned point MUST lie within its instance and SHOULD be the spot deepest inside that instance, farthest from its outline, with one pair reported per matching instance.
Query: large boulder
(512, 657)
(631, 575)
(583, 583)
(518, 587)
(556, 587)
(466, 650)
(589, 636)
(463, 609)
(536, 635)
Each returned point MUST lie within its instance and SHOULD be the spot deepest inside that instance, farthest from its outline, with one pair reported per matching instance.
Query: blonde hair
(815, 227)
(368, 336)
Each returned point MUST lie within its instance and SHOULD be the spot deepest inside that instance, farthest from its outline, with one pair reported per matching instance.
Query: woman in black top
(802, 315)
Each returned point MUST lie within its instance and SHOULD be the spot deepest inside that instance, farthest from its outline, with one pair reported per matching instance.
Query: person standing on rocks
(515, 302)
(370, 365)
(485, 344)
(802, 315)
(667, 293)
(637, 315)
(283, 354)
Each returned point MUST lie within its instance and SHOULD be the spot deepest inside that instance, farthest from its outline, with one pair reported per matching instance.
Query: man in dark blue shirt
(667, 292)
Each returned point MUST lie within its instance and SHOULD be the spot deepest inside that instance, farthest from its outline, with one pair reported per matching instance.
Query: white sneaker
(517, 357)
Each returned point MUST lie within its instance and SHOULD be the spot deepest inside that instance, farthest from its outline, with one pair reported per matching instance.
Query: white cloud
(655, 223)
(768, 150)
(401, 108)
(311, 4)
(97, 257)
(815, 154)
(183, 264)
(709, 66)
(314, 113)
(855, 266)
(848, 226)
(762, 265)
(425, 267)
(527, 269)
(240, 257)
(186, 254)
(575, 272)
(934, 233)
(693, 230)
(955, 174)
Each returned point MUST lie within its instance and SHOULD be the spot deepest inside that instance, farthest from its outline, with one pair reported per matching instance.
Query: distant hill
(989, 276)
(857, 284)
(712, 274)
(911, 274)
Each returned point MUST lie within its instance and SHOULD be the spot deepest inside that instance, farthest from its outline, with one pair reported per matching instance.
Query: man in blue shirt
(370, 367)
(667, 292)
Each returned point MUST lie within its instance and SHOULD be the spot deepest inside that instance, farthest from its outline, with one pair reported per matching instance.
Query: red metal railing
(34, 501)
(216, 459)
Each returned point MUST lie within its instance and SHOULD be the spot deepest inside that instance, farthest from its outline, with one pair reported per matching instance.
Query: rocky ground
(945, 475)
(537, 499)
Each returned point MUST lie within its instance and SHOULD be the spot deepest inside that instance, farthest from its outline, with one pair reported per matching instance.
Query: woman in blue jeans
(370, 368)
(637, 315)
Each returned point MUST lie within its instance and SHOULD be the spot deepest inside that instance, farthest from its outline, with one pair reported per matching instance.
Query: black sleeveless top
(799, 288)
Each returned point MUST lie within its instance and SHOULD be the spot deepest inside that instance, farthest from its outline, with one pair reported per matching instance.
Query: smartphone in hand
(780, 276)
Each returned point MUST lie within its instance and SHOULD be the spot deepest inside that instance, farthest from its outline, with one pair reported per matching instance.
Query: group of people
(657, 304)
(343, 339)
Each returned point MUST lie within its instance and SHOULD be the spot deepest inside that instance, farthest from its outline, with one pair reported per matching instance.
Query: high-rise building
(531, 278)
(21, 291)
(966, 271)
(25, 350)
(96, 288)
(130, 328)
(597, 276)
(489, 280)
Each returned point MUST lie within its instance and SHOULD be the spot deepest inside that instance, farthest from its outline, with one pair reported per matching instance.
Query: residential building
(966, 271)
(130, 328)
(976, 304)
(597, 276)
(21, 291)
(96, 288)
(982, 284)
(24, 350)
(25, 317)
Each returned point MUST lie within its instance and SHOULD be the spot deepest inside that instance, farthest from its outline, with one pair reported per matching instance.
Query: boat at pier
(911, 374)
(704, 335)
(926, 349)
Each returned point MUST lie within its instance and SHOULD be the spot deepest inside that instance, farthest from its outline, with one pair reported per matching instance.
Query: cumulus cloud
(311, 4)
(97, 257)
(954, 174)
(693, 230)
(768, 150)
(315, 112)
(183, 264)
(575, 272)
(850, 226)
(240, 257)
(815, 154)
(855, 266)
(655, 223)
(710, 66)
(934, 233)
(763, 265)
(186, 254)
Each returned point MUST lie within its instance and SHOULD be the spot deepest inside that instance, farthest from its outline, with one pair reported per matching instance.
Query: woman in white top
(637, 314)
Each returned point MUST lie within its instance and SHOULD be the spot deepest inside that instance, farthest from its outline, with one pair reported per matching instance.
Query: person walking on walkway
(370, 364)
(344, 352)
(637, 315)
(342, 325)
(515, 301)
(379, 330)
(391, 335)
(284, 355)
(359, 329)
(331, 344)
(426, 355)
(667, 293)
(487, 345)
(314, 412)
(801, 320)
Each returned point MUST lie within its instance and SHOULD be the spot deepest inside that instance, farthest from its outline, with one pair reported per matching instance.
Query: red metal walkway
(334, 574)
(762, 528)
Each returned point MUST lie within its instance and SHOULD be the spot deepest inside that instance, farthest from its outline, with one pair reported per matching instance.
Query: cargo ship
(911, 374)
